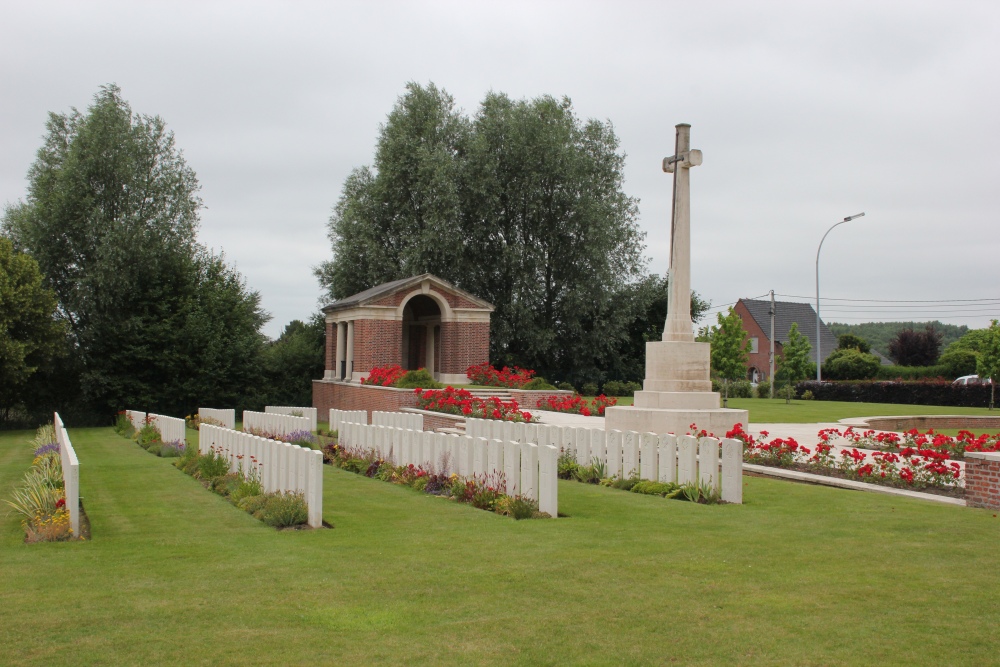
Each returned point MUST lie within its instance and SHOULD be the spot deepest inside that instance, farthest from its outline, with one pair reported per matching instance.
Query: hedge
(924, 392)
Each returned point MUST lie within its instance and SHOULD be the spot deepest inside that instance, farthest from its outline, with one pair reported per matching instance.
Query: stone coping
(985, 456)
(434, 413)
(823, 480)
(537, 393)
(906, 422)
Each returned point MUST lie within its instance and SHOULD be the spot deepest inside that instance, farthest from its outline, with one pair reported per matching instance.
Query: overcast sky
(806, 113)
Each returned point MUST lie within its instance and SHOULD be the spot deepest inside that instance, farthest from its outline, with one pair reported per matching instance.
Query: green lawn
(803, 412)
(800, 574)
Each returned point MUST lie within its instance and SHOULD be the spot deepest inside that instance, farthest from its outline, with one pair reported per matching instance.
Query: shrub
(764, 390)
(923, 392)
(517, 507)
(123, 425)
(565, 386)
(282, 510)
(807, 395)
(850, 364)
(588, 389)
(418, 378)
(958, 362)
(172, 449)
(740, 389)
(537, 384)
(147, 435)
(212, 465)
(385, 376)
(486, 374)
(252, 504)
(664, 489)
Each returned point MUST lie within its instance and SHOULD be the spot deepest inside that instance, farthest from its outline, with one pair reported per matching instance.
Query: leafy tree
(850, 364)
(293, 361)
(849, 341)
(111, 215)
(989, 359)
(916, 348)
(958, 361)
(652, 295)
(794, 362)
(521, 204)
(729, 350)
(30, 334)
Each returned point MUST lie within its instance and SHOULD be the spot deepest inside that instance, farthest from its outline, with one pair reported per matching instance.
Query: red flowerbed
(485, 374)
(577, 404)
(894, 442)
(920, 467)
(461, 402)
(385, 376)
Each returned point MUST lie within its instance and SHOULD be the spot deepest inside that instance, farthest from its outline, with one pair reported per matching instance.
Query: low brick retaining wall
(329, 394)
(936, 422)
(435, 420)
(982, 479)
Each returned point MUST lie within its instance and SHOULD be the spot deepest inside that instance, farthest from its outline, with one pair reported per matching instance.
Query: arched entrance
(421, 334)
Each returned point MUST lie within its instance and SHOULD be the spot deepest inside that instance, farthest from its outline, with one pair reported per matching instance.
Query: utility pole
(770, 355)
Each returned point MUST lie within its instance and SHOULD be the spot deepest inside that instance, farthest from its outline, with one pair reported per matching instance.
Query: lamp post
(819, 354)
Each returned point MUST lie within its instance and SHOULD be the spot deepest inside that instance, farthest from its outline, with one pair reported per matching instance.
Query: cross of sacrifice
(678, 324)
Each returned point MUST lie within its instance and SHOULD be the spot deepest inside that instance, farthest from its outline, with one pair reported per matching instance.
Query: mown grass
(802, 412)
(798, 575)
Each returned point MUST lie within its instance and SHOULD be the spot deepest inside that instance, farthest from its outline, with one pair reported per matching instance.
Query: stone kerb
(71, 473)
(282, 467)
(710, 462)
(309, 413)
(273, 423)
(225, 417)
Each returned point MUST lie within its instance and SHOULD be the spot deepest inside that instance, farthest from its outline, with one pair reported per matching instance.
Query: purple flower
(296, 437)
(50, 448)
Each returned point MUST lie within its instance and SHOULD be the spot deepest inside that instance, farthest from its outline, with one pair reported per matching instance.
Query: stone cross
(678, 324)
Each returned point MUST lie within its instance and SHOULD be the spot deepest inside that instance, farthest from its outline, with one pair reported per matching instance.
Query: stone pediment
(392, 294)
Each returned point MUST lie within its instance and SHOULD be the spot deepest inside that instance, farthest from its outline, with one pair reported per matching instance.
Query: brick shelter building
(417, 322)
(756, 317)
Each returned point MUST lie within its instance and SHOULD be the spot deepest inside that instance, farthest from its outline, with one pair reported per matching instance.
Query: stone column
(678, 325)
(350, 350)
(430, 349)
(341, 348)
(330, 372)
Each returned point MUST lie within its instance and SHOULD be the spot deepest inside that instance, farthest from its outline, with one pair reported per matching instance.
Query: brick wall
(463, 344)
(758, 359)
(346, 396)
(377, 343)
(982, 480)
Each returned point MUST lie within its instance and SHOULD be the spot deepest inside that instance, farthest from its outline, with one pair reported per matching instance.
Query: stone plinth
(654, 420)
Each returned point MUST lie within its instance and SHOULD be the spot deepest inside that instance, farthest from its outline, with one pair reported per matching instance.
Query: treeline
(110, 302)
(879, 334)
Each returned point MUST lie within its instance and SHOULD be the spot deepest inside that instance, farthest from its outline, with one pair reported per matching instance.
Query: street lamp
(819, 354)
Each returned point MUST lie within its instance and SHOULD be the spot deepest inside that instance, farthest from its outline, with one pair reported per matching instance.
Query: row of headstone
(280, 466)
(413, 422)
(273, 423)
(172, 429)
(71, 474)
(309, 413)
(225, 417)
(338, 417)
(525, 469)
(137, 418)
(664, 458)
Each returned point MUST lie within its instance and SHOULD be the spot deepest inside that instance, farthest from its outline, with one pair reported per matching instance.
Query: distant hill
(878, 334)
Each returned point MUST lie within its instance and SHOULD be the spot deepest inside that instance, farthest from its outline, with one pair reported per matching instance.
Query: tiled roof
(785, 314)
(374, 293)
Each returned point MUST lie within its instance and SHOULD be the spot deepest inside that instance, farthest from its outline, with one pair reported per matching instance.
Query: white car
(972, 379)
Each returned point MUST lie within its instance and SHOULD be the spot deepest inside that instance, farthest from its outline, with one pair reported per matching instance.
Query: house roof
(380, 291)
(787, 313)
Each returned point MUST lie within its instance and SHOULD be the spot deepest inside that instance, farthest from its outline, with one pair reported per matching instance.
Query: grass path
(797, 575)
